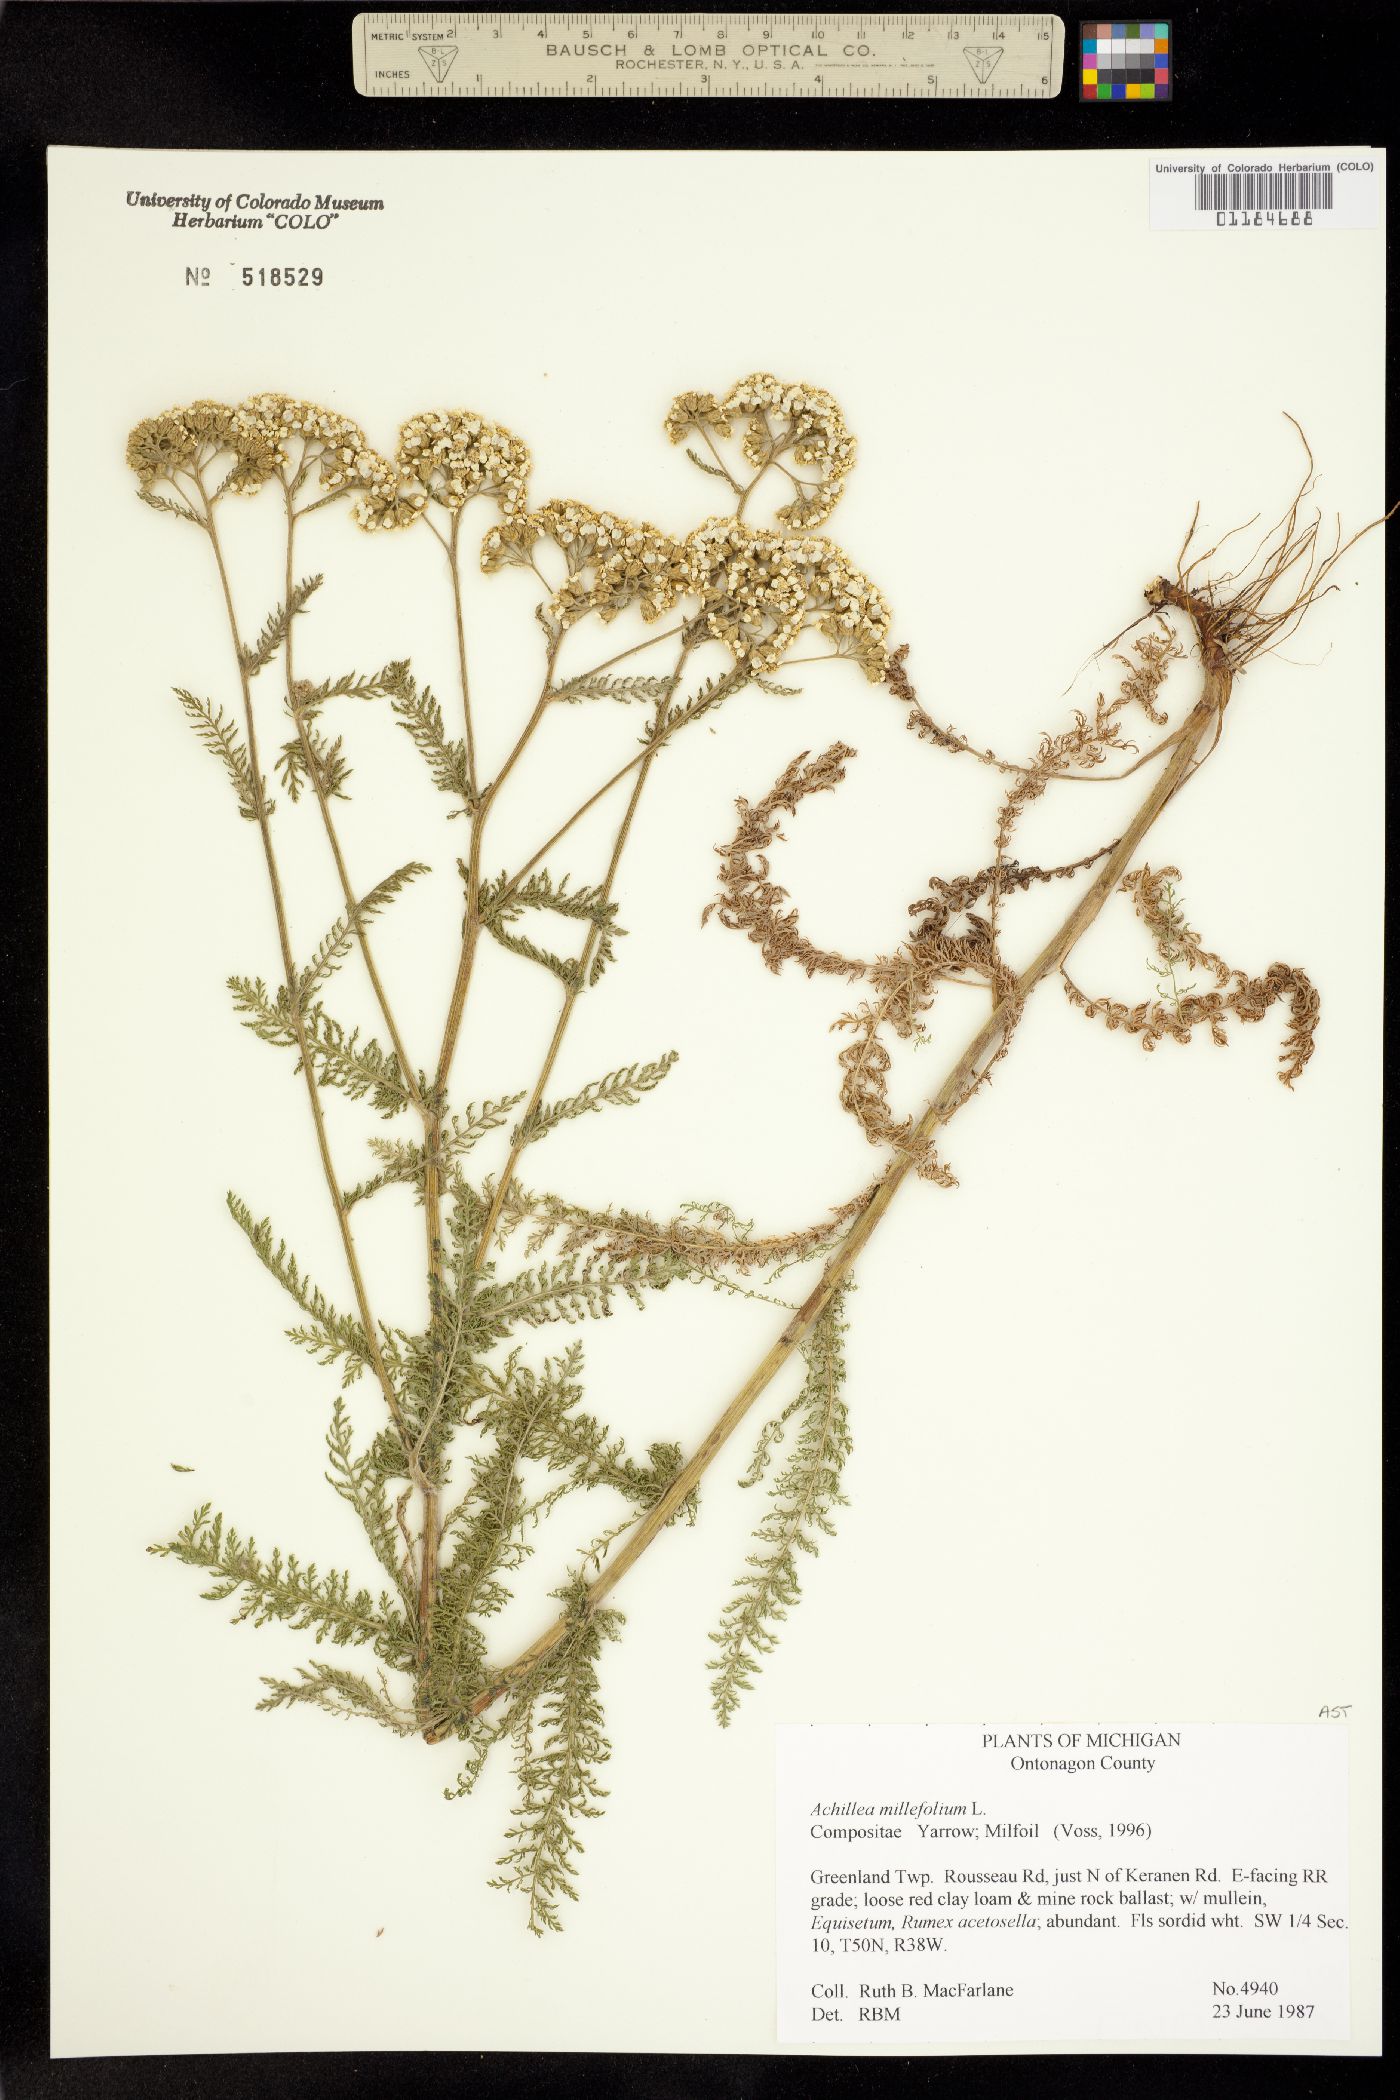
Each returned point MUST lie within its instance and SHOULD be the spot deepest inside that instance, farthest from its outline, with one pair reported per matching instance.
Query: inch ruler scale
(965, 58)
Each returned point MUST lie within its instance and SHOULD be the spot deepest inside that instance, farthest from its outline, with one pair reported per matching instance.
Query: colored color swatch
(1125, 61)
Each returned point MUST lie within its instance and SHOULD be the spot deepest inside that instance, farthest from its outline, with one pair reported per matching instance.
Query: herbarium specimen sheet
(698, 802)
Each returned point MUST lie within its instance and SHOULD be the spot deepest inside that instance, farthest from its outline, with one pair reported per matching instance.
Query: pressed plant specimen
(470, 1433)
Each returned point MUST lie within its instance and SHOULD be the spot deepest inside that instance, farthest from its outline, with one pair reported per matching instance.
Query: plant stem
(433, 1115)
(352, 1260)
(643, 757)
(1203, 718)
(427, 1583)
(313, 772)
(453, 537)
(432, 1179)
(571, 994)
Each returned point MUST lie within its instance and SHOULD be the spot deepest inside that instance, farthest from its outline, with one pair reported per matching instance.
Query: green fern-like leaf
(338, 942)
(444, 756)
(545, 892)
(707, 466)
(360, 1482)
(671, 717)
(527, 1417)
(341, 1060)
(282, 1587)
(383, 684)
(255, 656)
(484, 1534)
(332, 1337)
(403, 1160)
(577, 1288)
(218, 735)
(620, 1089)
(595, 686)
(178, 510)
(357, 1068)
(557, 1726)
(338, 1057)
(267, 1014)
(322, 763)
(804, 1495)
(340, 1692)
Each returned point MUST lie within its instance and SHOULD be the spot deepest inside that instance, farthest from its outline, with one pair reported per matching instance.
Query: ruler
(965, 58)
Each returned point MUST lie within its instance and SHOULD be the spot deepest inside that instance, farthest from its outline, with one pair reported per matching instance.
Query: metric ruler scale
(966, 58)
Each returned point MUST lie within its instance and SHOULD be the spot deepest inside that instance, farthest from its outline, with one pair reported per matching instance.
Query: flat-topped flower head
(187, 440)
(510, 545)
(300, 434)
(760, 590)
(455, 455)
(695, 412)
(612, 562)
(790, 426)
(385, 499)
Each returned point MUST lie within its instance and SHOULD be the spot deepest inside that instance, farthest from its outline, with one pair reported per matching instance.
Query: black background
(1273, 74)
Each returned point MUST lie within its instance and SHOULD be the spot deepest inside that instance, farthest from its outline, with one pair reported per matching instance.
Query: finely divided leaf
(444, 756)
(255, 656)
(338, 942)
(282, 1587)
(669, 719)
(501, 906)
(803, 1496)
(557, 1726)
(179, 510)
(332, 1336)
(217, 733)
(383, 684)
(402, 1159)
(341, 1060)
(620, 1089)
(342, 1692)
(707, 466)
(322, 763)
(338, 1057)
(595, 686)
(360, 1482)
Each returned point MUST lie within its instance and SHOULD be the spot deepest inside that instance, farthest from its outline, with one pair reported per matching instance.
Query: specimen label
(1281, 191)
(972, 57)
(1088, 1883)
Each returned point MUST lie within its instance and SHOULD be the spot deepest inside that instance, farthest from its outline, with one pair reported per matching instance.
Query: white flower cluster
(781, 420)
(187, 439)
(448, 456)
(694, 412)
(760, 590)
(612, 562)
(347, 461)
(385, 501)
(455, 455)
(757, 589)
(812, 428)
(274, 422)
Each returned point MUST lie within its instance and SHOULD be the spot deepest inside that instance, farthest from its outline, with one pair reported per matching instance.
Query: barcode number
(1264, 189)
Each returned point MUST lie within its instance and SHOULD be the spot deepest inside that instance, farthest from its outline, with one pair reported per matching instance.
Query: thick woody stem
(1203, 719)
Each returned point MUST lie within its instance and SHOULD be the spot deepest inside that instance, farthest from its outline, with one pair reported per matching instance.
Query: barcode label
(1264, 189)
(1280, 192)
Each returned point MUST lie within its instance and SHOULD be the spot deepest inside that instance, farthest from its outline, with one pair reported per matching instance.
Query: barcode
(1264, 189)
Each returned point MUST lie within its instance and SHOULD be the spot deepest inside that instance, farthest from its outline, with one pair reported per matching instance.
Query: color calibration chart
(1125, 62)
